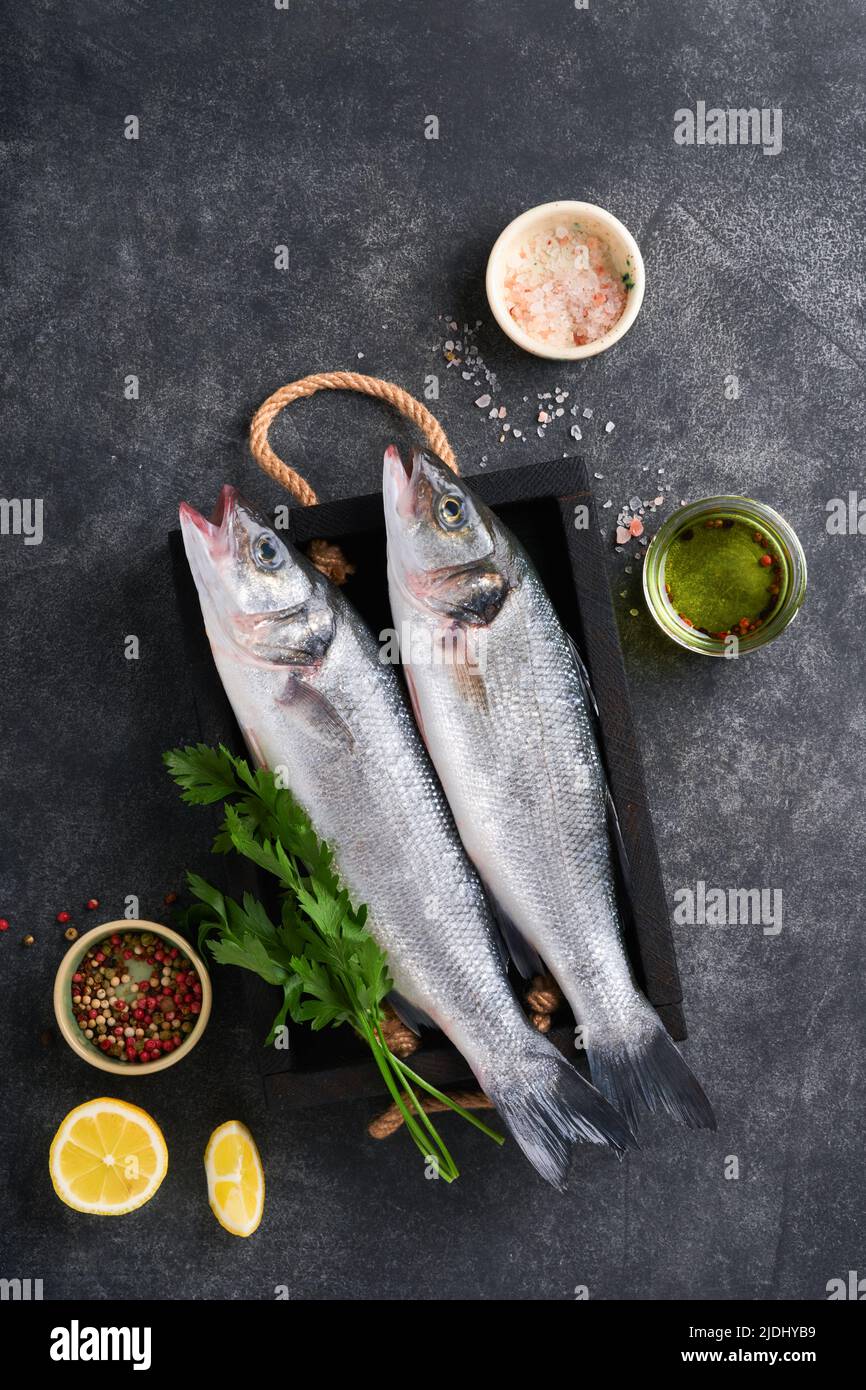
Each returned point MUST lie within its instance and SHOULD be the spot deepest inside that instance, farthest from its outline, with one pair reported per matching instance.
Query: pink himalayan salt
(562, 288)
(635, 526)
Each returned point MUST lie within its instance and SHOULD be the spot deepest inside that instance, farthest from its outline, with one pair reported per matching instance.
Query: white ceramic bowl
(596, 222)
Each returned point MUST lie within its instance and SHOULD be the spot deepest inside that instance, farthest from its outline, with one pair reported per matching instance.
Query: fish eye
(266, 551)
(450, 511)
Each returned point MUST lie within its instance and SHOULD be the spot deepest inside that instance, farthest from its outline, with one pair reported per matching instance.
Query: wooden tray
(538, 503)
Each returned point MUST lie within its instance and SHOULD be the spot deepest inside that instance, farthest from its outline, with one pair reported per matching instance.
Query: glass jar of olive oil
(724, 575)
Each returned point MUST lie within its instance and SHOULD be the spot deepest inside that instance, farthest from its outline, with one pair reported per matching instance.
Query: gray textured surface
(305, 127)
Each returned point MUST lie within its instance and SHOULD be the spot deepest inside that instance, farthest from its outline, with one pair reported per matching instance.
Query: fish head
(260, 598)
(445, 548)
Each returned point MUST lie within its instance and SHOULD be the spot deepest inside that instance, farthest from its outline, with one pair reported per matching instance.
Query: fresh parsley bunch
(319, 953)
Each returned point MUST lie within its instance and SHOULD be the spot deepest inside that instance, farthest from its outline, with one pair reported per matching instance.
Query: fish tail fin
(650, 1073)
(548, 1106)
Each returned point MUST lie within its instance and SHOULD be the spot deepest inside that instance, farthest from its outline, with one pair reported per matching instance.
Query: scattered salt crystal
(453, 327)
(587, 413)
(559, 412)
(635, 526)
(493, 414)
(502, 412)
(633, 612)
(646, 468)
(543, 417)
(449, 346)
(467, 376)
(609, 427)
(483, 402)
(634, 503)
(623, 593)
(608, 503)
(657, 501)
(660, 470)
(598, 475)
(506, 428)
(540, 432)
(360, 355)
(623, 534)
(576, 432)
(518, 434)
(628, 569)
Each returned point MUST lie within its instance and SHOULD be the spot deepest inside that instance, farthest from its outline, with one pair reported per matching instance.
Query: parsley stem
(405, 1071)
(427, 1122)
(379, 1053)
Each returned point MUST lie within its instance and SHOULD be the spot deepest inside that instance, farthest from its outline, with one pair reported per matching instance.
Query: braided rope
(386, 1124)
(386, 391)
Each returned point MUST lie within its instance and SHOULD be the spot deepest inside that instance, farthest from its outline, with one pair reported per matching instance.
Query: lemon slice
(235, 1178)
(107, 1158)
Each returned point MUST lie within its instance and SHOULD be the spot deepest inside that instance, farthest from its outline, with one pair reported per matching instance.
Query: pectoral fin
(315, 712)
(470, 686)
(410, 1014)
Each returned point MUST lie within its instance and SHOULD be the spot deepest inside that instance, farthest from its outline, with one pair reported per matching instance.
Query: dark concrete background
(305, 127)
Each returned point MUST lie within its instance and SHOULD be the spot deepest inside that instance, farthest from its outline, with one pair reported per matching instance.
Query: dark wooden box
(538, 503)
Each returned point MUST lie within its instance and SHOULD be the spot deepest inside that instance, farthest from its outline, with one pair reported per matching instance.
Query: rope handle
(264, 417)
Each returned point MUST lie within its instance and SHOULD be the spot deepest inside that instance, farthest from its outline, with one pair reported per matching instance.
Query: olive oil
(721, 575)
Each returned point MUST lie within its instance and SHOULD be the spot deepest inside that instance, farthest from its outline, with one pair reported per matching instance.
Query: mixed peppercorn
(136, 997)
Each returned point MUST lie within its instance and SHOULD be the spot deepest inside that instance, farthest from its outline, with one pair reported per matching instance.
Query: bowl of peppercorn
(132, 997)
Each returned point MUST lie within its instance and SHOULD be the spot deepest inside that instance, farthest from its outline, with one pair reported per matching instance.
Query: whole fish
(511, 736)
(312, 697)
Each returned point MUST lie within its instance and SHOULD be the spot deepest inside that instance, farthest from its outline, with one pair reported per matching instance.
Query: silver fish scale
(373, 796)
(517, 755)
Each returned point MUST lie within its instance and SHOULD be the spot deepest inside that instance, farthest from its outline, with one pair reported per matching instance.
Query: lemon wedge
(107, 1158)
(235, 1178)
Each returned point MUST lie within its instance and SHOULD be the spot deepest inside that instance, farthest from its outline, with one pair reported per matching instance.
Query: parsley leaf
(320, 953)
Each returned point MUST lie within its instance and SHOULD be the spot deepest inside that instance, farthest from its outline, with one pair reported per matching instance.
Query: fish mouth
(208, 541)
(397, 482)
(395, 462)
(220, 518)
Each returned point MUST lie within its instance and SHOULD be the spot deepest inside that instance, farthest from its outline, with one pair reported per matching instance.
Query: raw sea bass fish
(510, 733)
(312, 696)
